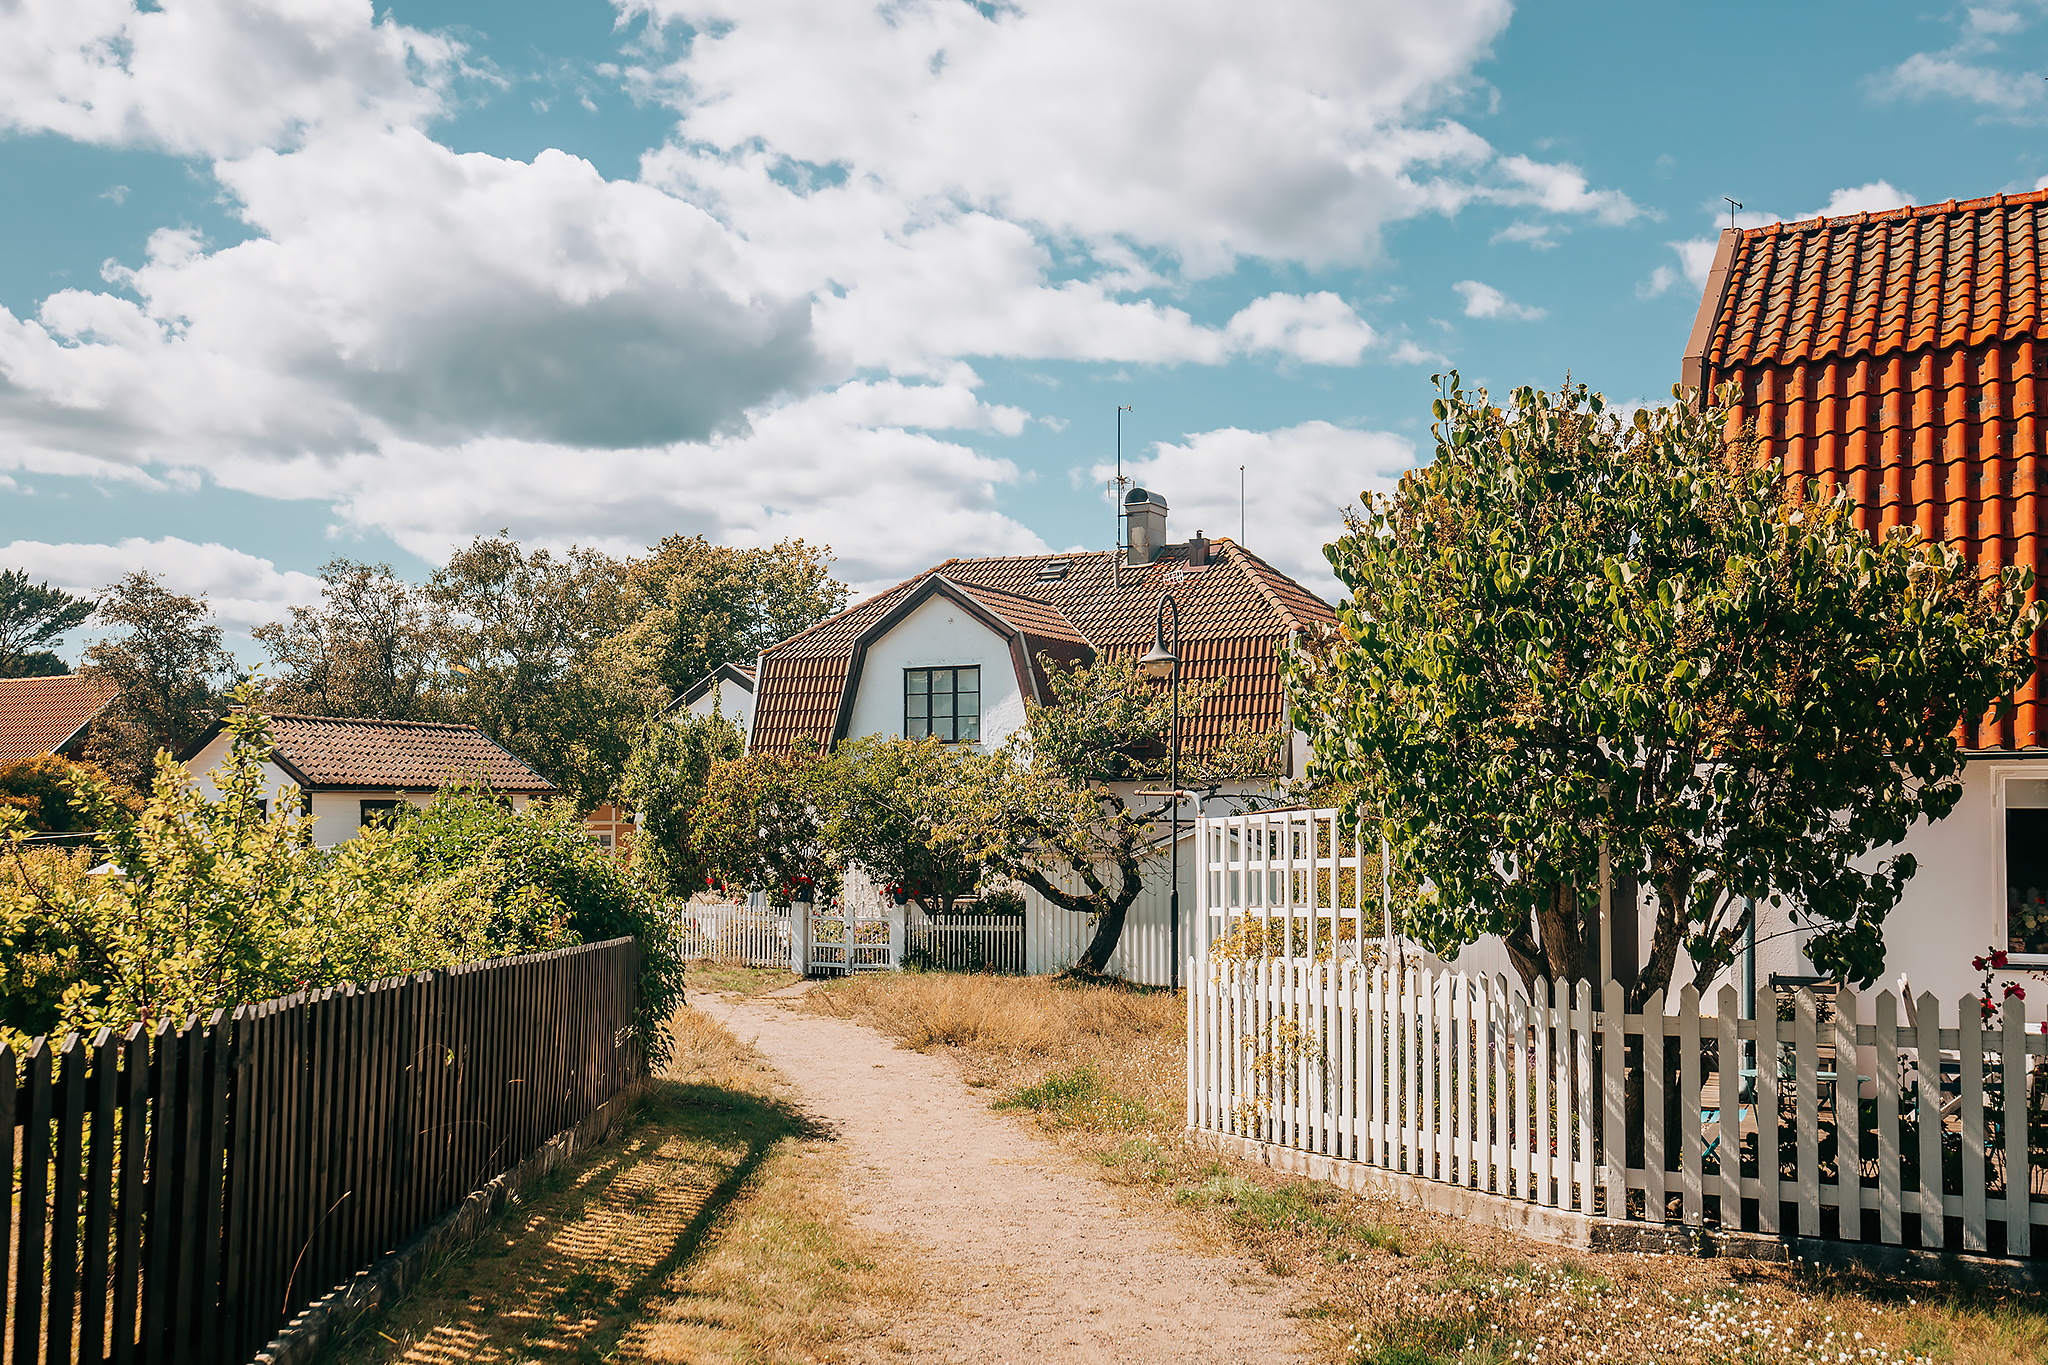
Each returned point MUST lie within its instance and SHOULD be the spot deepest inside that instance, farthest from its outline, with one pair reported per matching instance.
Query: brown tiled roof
(1236, 611)
(396, 755)
(39, 714)
(1900, 355)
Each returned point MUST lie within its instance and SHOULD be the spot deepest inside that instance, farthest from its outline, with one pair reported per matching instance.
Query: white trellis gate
(1902, 1131)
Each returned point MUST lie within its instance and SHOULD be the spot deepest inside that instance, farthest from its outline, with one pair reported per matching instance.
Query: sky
(289, 280)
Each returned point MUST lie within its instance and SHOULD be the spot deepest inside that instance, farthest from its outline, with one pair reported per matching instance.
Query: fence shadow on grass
(574, 1267)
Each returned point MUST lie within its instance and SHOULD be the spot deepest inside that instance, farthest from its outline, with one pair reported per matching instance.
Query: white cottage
(956, 652)
(727, 690)
(347, 773)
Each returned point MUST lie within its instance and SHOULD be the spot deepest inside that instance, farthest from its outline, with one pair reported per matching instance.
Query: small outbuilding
(348, 773)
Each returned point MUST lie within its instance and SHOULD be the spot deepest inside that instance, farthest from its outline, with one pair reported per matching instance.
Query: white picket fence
(1900, 1131)
(750, 934)
(965, 942)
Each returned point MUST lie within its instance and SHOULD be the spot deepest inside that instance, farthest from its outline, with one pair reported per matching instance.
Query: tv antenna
(1733, 204)
(1116, 488)
(1240, 505)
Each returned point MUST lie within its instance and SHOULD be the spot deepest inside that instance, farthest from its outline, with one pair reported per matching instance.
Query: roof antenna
(1240, 507)
(1733, 204)
(1116, 569)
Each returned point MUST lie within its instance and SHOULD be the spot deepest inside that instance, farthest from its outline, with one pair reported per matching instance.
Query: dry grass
(712, 1229)
(1101, 1070)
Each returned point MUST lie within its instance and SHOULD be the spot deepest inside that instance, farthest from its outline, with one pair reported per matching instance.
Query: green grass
(1303, 1206)
(1078, 1098)
(1469, 1338)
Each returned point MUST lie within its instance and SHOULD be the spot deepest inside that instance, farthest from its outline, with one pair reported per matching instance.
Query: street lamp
(1164, 663)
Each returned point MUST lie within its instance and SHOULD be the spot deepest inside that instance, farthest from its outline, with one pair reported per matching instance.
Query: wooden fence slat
(99, 1199)
(1970, 1055)
(213, 1157)
(1655, 1205)
(32, 1244)
(1848, 1119)
(1728, 1095)
(1691, 1148)
(1806, 1118)
(2012, 1064)
(1927, 1086)
(10, 1207)
(1582, 1100)
(1890, 1222)
(1770, 1105)
(70, 1154)
(128, 1206)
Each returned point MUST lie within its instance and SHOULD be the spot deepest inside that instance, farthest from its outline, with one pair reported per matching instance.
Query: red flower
(1999, 958)
(2014, 991)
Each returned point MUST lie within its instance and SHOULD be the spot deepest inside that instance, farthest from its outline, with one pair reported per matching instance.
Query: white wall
(1055, 937)
(732, 701)
(939, 634)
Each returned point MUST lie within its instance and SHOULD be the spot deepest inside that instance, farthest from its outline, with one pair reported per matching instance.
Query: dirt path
(1032, 1259)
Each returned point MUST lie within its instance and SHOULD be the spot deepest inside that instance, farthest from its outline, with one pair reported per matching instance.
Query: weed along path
(1030, 1258)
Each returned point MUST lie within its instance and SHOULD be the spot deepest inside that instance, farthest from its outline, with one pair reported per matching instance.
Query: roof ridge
(846, 611)
(373, 720)
(1947, 206)
(1259, 581)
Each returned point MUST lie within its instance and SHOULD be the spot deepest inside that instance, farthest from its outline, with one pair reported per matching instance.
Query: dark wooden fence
(182, 1194)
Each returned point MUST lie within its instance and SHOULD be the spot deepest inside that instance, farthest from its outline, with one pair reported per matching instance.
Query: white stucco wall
(730, 700)
(939, 634)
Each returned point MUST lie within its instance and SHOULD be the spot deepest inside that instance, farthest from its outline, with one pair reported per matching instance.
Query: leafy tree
(888, 811)
(168, 667)
(41, 788)
(762, 823)
(1062, 794)
(32, 616)
(694, 605)
(521, 637)
(1571, 633)
(664, 780)
(369, 649)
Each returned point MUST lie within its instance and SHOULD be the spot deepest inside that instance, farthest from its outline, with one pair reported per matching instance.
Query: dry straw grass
(713, 1229)
(1100, 1067)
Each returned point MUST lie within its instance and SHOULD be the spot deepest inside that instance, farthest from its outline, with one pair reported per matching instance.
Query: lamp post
(1162, 662)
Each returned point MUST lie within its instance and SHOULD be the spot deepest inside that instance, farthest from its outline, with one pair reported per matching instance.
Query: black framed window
(942, 702)
(377, 813)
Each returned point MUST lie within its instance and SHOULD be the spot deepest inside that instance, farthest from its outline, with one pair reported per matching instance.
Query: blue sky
(285, 281)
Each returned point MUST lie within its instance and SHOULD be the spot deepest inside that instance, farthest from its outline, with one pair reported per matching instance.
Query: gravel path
(1031, 1258)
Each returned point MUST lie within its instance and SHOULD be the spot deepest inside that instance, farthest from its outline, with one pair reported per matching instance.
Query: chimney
(1198, 550)
(1145, 521)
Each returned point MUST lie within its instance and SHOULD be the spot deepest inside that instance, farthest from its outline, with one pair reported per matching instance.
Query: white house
(727, 691)
(956, 651)
(346, 773)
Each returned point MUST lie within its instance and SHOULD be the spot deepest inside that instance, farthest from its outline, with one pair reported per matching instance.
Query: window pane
(942, 681)
(2026, 878)
(970, 728)
(915, 706)
(916, 680)
(943, 728)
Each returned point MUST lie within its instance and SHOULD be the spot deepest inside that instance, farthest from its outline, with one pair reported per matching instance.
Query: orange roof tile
(1236, 611)
(37, 715)
(1902, 356)
(334, 752)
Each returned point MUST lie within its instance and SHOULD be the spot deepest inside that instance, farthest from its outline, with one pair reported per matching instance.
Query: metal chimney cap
(1139, 497)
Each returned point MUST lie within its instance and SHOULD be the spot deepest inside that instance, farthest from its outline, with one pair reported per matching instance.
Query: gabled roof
(1898, 355)
(1236, 610)
(334, 753)
(740, 675)
(41, 715)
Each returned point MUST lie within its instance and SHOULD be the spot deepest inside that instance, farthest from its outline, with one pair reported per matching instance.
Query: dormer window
(944, 703)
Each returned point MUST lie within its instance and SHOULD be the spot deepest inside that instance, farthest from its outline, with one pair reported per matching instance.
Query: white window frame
(2001, 774)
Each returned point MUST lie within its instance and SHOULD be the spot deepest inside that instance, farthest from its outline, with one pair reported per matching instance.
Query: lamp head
(1159, 662)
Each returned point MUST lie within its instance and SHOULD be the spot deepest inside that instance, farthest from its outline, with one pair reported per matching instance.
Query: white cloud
(1538, 236)
(1874, 197)
(212, 77)
(768, 333)
(1661, 279)
(1970, 68)
(1484, 301)
(242, 589)
(1319, 328)
(1297, 482)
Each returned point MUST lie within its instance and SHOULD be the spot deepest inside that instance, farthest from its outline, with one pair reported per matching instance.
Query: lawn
(1099, 1069)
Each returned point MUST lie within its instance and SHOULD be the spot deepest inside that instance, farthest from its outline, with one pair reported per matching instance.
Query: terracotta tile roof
(1235, 612)
(39, 714)
(1900, 355)
(397, 755)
